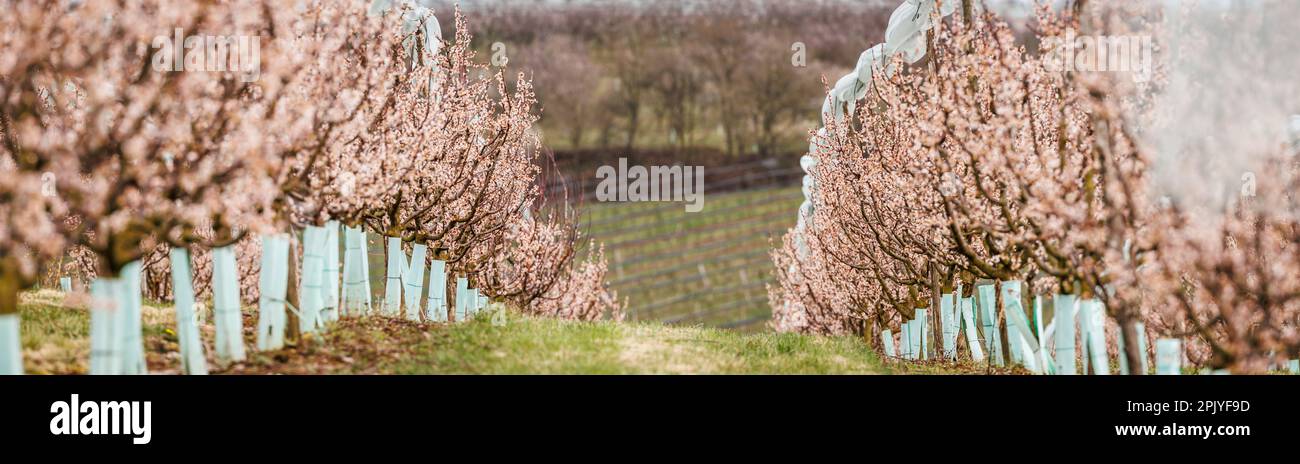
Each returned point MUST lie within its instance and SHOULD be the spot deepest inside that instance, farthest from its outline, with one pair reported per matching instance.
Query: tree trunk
(634, 112)
(292, 333)
(606, 132)
(8, 292)
(728, 131)
(575, 137)
(936, 332)
(1128, 330)
(12, 281)
(1002, 321)
(450, 297)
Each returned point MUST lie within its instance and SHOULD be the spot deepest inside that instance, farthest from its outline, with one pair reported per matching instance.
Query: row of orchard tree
(349, 121)
(979, 185)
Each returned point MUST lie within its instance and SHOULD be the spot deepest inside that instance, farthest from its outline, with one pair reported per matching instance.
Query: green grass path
(55, 340)
(530, 345)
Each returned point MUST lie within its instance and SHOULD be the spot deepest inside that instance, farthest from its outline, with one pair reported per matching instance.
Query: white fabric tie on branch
(904, 36)
(1295, 131)
(417, 16)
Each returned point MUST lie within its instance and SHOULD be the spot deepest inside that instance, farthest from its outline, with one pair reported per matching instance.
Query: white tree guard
(887, 342)
(413, 281)
(132, 339)
(988, 314)
(436, 307)
(1064, 305)
(187, 325)
(11, 348)
(393, 277)
(116, 342)
(1095, 313)
(1169, 356)
(948, 318)
(311, 294)
(105, 354)
(462, 299)
(356, 273)
(330, 280)
(226, 312)
(973, 341)
(273, 285)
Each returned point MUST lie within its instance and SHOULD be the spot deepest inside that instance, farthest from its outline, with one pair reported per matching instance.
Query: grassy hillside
(55, 340)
